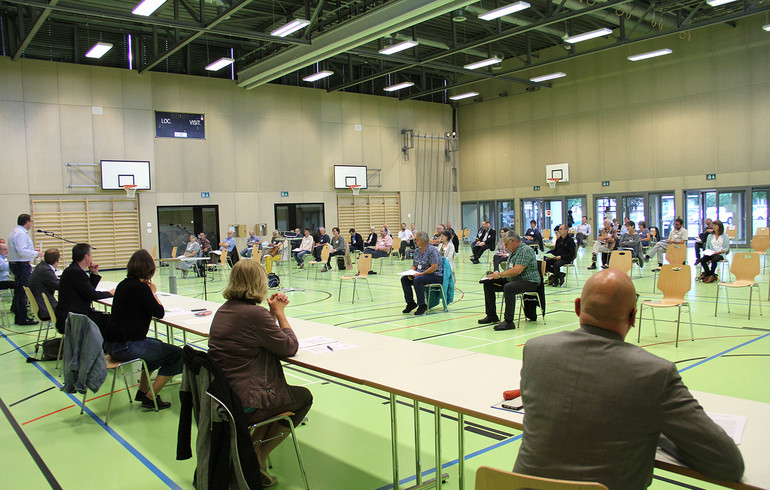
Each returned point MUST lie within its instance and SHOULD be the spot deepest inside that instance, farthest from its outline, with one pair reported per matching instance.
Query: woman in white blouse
(446, 249)
(717, 246)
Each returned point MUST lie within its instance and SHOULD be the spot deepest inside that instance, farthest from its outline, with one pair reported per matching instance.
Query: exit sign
(284, 193)
(536, 188)
(711, 176)
(205, 194)
(605, 183)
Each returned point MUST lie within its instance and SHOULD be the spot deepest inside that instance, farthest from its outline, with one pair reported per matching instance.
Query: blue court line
(147, 463)
(453, 462)
(724, 352)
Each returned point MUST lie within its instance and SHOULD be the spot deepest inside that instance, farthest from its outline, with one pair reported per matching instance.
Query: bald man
(596, 406)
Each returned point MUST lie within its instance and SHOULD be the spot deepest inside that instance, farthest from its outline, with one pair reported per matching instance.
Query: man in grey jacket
(596, 406)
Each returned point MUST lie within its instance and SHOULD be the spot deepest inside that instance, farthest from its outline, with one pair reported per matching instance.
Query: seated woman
(501, 254)
(305, 248)
(446, 248)
(248, 341)
(272, 252)
(193, 250)
(644, 234)
(717, 246)
(125, 336)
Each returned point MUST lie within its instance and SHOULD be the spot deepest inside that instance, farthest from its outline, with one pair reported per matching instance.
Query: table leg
(417, 462)
(171, 278)
(461, 450)
(439, 475)
(394, 439)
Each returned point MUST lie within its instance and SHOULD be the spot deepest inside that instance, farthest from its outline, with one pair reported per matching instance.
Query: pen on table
(330, 348)
(199, 309)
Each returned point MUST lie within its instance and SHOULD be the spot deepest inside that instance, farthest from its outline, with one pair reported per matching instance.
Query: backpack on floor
(530, 307)
(273, 281)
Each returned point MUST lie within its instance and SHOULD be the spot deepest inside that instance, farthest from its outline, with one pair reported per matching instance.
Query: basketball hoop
(130, 190)
(552, 182)
(355, 188)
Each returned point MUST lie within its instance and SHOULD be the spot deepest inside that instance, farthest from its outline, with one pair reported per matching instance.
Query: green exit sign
(536, 188)
(711, 176)
(284, 193)
(605, 183)
(205, 195)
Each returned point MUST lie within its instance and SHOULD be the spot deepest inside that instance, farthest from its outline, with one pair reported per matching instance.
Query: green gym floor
(346, 442)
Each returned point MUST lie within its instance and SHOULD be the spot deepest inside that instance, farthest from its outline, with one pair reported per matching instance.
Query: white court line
(539, 332)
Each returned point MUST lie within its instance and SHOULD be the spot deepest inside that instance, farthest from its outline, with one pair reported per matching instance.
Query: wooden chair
(394, 250)
(173, 252)
(155, 252)
(256, 254)
(676, 254)
(363, 265)
(745, 268)
(760, 244)
(546, 234)
(488, 478)
(731, 231)
(117, 368)
(621, 260)
(762, 230)
(5, 304)
(36, 314)
(675, 281)
(325, 251)
(222, 265)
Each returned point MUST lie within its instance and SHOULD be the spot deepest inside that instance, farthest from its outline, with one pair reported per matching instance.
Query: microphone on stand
(49, 233)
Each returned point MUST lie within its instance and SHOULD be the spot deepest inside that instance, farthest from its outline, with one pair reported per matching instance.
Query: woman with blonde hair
(247, 341)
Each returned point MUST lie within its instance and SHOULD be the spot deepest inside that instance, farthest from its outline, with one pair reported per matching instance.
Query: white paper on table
(410, 272)
(708, 252)
(323, 345)
(171, 312)
(218, 252)
(163, 294)
(732, 424)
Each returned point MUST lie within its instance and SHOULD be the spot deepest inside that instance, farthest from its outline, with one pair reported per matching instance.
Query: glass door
(759, 209)
(531, 209)
(554, 214)
(730, 212)
(578, 207)
(299, 215)
(176, 223)
(487, 212)
(661, 213)
(633, 208)
(470, 217)
(606, 208)
(505, 214)
(726, 206)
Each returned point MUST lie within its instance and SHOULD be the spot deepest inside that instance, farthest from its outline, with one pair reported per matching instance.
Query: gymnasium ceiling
(344, 36)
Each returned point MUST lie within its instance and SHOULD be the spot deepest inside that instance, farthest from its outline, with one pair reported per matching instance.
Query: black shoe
(409, 307)
(532, 318)
(140, 395)
(561, 279)
(605, 266)
(474, 260)
(505, 325)
(147, 403)
(421, 310)
(324, 269)
(488, 319)
(592, 267)
(26, 321)
(372, 273)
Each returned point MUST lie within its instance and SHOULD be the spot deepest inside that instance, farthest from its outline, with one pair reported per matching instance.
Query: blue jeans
(246, 252)
(155, 353)
(298, 256)
(418, 282)
(22, 271)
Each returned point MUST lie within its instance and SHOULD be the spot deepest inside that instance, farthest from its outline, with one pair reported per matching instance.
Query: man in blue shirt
(5, 272)
(429, 268)
(252, 241)
(21, 253)
(229, 245)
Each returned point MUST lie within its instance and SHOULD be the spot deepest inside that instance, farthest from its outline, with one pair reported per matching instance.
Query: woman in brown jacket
(247, 341)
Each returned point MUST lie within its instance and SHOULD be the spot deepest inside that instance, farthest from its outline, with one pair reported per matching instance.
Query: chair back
(33, 302)
(223, 258)
(364, 265)
(760, 243)
(466, 232)
(654, 233)
(396, 245)
(745, 266)
(676, 253)
(621, 260)
(155, 252)
(325, 251)
(256, 254)
(49, 308)
(546, 234)
(493, 479)
(173, 252)
(731, 231)
(674, 281)
(762, 230)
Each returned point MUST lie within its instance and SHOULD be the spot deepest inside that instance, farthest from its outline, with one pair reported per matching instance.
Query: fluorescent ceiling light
(398, 86)
(717, 3)
(480, 64)
(502, 11)
(99, 50)
(219, 64)
(464, 96)
(766, 27)
(318, 76)
(651, 54)
(398, 47)
(147, 7)
(588, 35)
(550, 76)
(292, 26)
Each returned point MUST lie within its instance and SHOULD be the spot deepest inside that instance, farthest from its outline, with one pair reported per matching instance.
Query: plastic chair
(488, 478)
(760, 244)
(115, 367)
(745, 268)
(364, 264)
(675, 281)
(439, 287)
(622, 260)
(325, 251)
(572, 266)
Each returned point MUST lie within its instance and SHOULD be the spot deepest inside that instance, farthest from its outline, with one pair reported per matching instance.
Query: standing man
(678, 235)
(485, 240)
(252, 241)
(77, 289)
(583, 232)
(563, 253)
(596, 406)
(429, 268)
(21, 254)
(521, 276)
(43, 282)
(407, 241)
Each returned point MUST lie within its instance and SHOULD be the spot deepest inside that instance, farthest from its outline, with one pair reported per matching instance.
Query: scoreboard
(179, 125)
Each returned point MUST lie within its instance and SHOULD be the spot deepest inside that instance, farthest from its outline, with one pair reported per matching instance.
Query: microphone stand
(58, 237)
(202, 270)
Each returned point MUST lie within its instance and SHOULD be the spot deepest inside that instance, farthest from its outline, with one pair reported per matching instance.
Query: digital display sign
(179, 125)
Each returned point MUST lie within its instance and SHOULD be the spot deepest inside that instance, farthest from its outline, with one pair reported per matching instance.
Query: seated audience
(382, 247)
(252, 241)
(371, 240)
(520, 277)
(5, 270)
(305, 248)
(501, 254)
(532, 236)
(77, 289)
(228, 245)
(631, 240)
(125, 337)
(644, 234)
(44, 281)
(193, 249)
(338, 248)
(446, 248)
(321, 240)
(485, 240)
(700, 243)
(717, 246)
(604, 245)
(563, 253)
(436, 239)
(272, 251)
(407, 241)
(356, 242)
(596, 406)
(248, 342)
(677, 235)
(583, 232)
(429, 269)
